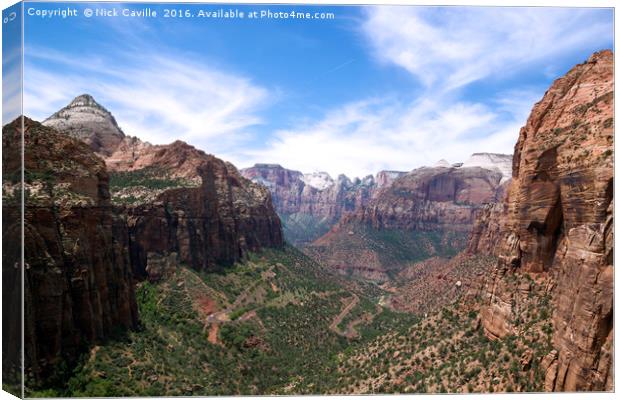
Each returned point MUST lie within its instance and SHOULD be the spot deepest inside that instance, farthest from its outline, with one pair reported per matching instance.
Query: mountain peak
(493, 161)
(85, 119)
(84, 100)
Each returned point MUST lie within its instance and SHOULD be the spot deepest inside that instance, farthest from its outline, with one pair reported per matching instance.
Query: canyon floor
(279, 323)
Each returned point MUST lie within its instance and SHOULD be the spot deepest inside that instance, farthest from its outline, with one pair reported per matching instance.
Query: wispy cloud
(11, 82)
(450, 47)
(450, 53)
(365, 137)
(446, 50)
(157, 97)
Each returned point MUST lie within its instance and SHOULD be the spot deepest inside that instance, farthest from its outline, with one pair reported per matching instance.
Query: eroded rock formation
(433, 199)
(215, 222)
(559, 224)
(310, 204)
(424, 213)
(176, 198)
(78, 284)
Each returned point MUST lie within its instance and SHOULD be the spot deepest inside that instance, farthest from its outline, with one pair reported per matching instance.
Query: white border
(556, 3)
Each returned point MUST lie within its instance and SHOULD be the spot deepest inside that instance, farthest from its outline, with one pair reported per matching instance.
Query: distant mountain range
(310, 204)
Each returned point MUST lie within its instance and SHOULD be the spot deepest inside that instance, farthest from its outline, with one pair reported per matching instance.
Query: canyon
(90, 230)
(425, 213)
(311, 204)
(491, 274)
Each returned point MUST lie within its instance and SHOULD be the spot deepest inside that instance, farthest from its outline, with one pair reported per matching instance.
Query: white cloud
(161, 99)
(157, 97)
(446, 49)
(450, 47)
(364, 137)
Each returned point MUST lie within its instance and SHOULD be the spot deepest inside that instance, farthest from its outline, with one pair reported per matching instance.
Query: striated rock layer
(559, 224)
(78, 284)
(215, 222)
(310, 204)
(424, 213)
(88, 121)
(430, 199)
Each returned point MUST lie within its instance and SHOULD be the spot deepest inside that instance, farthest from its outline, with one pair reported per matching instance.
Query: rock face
(176, 199)
(12, 282)
(492, 161)
(172, 204)
(310, 204)
(428, 199)
(426, 212)
(386, 178)
(78, 285)
(86, 120)
(489, 225)
(213, 223)
(559, 223)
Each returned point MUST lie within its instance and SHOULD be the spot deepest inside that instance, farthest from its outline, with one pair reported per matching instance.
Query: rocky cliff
(310, 204)
(424, 213)
(176, 198)
(558, 226)
(181, 200)
(12, 283)
(433, 199)
(78, 285)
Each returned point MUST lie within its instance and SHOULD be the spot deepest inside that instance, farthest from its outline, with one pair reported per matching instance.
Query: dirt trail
(213, 333)
(346, 310)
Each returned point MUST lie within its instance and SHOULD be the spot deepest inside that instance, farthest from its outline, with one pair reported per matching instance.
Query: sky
(374, 88)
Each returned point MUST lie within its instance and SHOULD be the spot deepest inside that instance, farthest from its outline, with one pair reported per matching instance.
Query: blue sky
(374, 88)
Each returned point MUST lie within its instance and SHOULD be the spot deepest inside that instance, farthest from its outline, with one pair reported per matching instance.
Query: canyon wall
(558, 226)
(215, 220)
(90, 230)
(78, 284)
(175, 198)
(425, 213)
(310, 204)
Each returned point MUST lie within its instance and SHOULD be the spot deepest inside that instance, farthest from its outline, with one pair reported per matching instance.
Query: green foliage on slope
(278, 342)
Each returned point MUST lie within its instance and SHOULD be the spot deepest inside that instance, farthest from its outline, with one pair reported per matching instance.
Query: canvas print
(260, 199)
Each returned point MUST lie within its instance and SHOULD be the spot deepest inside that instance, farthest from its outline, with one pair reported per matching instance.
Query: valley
(162, 270)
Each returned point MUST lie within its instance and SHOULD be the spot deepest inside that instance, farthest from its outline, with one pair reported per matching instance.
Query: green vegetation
(130, 187)
(275, 339)
(278, 323)
(394, 248)
(449, 352)
(300, 229)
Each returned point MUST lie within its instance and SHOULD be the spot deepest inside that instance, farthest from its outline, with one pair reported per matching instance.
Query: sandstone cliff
(78, 285)
(207, 213)
(176, 198)
(558, 226)
(310, 204)
(433, 199)
(424, 213)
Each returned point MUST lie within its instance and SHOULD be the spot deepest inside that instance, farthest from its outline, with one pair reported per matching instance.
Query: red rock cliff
(215, 222)
(78, 284)
(559, 223)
